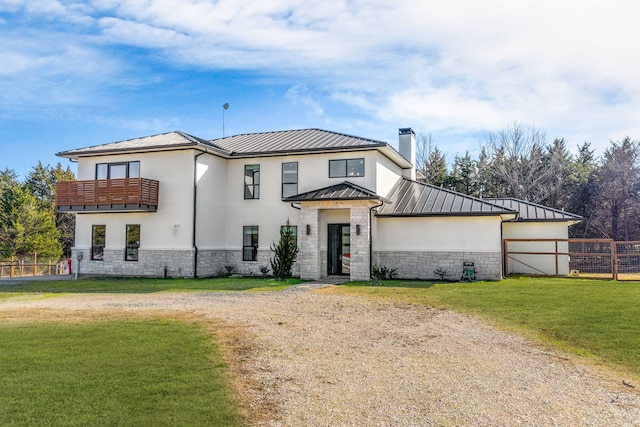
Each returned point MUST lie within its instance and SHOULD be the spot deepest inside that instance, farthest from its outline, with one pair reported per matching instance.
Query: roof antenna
(224, 107)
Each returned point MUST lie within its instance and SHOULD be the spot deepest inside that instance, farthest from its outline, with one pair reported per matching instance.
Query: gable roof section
(344, 191)
(412, 198)
(534, 212)
(163, 141)
(293, 141)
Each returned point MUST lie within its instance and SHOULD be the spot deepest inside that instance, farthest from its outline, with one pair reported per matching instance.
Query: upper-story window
(251, 181)
(346, 167)
(118, 170)
(289, 179)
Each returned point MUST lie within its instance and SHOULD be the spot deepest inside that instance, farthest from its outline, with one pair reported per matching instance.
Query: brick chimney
(407, 147)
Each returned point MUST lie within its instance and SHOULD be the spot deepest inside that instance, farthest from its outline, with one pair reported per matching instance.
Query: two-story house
(177, 205)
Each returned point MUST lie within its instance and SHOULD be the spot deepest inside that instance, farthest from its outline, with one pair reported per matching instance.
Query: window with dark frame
(251, 181)
(133, 242)
(289, 179)
(98, 238)
(250, 243)
(346, 168)
(118, 170)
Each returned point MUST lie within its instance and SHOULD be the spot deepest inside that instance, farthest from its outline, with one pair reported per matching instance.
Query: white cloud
(301, 95)
(569, 67)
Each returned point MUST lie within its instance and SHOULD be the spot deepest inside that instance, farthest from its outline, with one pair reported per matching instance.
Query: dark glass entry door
(339, 249)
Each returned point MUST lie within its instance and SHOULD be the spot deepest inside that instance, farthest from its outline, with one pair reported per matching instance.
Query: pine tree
(285, 253)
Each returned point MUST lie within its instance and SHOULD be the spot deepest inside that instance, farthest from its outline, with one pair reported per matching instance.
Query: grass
(592, 318)
(132, 371)
(149, 285)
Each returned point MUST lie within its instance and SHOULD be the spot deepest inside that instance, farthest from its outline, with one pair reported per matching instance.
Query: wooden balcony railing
(126, 194)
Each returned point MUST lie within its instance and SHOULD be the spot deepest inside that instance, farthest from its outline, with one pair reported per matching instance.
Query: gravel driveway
(321, 359)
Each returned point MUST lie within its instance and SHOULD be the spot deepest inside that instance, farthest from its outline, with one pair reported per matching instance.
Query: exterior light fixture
(358, 229)
(308, 229)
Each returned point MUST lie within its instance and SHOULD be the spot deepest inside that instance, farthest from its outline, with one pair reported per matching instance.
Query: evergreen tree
(285, 253)
(25, 228)
(616, 216)
(582, 191)
(41, 182)
(464, 176)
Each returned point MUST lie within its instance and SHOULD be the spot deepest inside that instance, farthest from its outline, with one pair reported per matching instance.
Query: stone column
(309, 255)
(360, 261)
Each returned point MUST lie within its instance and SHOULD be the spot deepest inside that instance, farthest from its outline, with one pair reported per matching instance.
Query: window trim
(289, 183)
(254, 193)
(135, 247)
(98, 255)
(253, 247)
(346, 167)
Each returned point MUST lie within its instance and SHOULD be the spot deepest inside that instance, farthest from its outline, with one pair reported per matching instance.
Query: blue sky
(80, 73)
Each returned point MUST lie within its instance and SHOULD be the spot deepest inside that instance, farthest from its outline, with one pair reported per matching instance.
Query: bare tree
(522, 164)
(431, 162)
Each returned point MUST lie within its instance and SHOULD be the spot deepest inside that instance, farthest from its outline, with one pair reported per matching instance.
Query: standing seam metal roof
(413, 198)
(534, 212)
(173, 139)
(344, 191)
(238, 145)
(292, 140)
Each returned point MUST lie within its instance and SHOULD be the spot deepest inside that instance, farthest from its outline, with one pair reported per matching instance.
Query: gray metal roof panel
(167, 140)
(292, 141)
(533, 212)
(344, 191)
(413, 198)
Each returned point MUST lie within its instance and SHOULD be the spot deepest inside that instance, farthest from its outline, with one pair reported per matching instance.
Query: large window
(251, 181)
(118, 170)
(289, 179)
(133, 242)
(346, 168)
(250, 243)
(98, 237)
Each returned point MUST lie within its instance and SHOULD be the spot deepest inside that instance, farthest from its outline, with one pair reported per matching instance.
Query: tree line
(29, 222)
(519, 162)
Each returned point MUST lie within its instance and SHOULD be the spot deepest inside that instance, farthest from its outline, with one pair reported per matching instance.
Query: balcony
(108, 195)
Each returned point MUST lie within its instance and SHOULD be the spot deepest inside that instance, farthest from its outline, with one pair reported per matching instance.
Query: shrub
(379, 273)
(441, 272)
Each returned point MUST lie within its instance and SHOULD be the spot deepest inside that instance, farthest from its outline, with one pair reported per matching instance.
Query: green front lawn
(148, 285)
(593, 318)
(144, 372)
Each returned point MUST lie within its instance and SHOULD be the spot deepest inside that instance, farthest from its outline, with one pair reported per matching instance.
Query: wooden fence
(29, 266)
(598, 258)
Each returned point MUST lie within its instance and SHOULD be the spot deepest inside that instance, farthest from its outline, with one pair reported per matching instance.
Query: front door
(339, 249)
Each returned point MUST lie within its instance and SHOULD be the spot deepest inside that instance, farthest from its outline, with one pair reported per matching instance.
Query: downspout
(371, 237)
(195, 213)
(505, 273)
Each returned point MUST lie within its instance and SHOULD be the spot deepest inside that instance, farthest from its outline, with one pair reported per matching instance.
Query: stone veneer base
(421, 265)
(178, 263)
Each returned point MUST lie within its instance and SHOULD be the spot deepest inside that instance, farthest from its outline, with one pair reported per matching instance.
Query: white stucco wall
(212, 195)
(387, 174)
(438, 234)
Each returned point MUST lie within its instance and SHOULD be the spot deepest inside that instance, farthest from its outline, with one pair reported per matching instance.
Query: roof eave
(76, 154)
(444, 214)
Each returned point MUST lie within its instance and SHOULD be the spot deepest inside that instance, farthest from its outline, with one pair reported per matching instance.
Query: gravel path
(333, 360)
